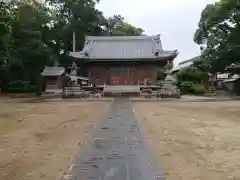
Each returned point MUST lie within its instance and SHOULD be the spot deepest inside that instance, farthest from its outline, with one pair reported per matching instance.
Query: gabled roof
(189, 60)
(233, 78)
(185, 64)
(233, 66)
(122, 47)
(53, 71)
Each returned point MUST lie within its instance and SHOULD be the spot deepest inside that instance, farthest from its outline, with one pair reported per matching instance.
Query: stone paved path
(117, 150)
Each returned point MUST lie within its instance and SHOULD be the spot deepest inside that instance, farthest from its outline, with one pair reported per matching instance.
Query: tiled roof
(53, 71)
(122, 47)
(185, 64)
(234, 66)
(189, 60)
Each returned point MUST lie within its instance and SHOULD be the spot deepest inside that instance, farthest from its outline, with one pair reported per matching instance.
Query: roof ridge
(120, 37)
(123, 47)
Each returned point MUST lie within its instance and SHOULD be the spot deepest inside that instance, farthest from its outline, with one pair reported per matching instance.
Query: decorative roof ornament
(157, 38)
(158, 49)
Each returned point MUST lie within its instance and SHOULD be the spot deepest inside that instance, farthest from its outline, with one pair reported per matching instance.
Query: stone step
(121, 89)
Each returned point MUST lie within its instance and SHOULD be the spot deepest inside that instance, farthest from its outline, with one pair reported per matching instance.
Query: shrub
(19, 84)
(21, 87)
(31, 89)
(190, 74)
(198, 89)
(188, 87)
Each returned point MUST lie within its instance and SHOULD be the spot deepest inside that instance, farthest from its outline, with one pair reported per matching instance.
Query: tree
(35, 33)
(23, 52)
(118, 27)
(79, 16)
(30, 54)
(3, 29)
(218, 32)
(5, 41)
(190, 74)
(68, 16)
(126, 29)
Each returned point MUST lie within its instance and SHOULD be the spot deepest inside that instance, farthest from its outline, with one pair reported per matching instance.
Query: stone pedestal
(169, 88)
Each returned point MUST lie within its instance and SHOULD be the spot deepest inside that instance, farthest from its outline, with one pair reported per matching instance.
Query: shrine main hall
(123, 60)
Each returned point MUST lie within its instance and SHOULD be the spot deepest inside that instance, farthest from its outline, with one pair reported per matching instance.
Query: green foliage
(19, 84)
(218, 33)
(3, 29)
(31, 89)
(21, 87)
(190, 74)
(198, 89)
(192, 78)
(35, 33)
(188, 87)
(117, 27)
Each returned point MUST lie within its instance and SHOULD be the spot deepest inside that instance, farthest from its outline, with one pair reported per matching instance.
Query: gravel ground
(40, 140)
(194, 140)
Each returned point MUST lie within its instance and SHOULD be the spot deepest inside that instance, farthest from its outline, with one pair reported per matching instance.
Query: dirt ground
(194, 140)
(40, 140)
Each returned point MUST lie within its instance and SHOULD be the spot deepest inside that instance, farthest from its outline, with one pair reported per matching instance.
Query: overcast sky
(175, 20)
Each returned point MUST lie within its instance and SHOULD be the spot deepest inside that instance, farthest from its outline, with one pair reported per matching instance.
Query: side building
(185, 64)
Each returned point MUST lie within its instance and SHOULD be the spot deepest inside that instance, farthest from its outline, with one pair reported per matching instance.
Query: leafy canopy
(218, 34)
(36, 33)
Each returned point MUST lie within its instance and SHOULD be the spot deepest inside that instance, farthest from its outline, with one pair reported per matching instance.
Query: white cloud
(176, 20)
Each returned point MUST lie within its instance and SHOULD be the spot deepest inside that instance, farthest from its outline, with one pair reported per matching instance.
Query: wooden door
(122, 76)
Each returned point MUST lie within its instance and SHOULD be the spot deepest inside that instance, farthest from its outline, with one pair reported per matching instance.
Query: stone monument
(169, 88)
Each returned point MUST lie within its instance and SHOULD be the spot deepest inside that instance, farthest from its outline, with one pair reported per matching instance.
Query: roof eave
(51, 75)
(155, 59)
(53, 71)
(82, 56)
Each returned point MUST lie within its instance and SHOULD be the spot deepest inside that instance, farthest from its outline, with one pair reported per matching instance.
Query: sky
(175, 20)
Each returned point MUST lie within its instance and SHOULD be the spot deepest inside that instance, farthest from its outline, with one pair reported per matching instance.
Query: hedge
(30, 89)
(188, 87)
(21, 87)
(198, 89)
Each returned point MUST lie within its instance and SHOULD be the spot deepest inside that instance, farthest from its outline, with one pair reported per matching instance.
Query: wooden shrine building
(123, 60)
(52, 78)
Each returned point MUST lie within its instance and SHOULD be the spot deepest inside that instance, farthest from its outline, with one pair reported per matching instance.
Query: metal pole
(74, 42)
